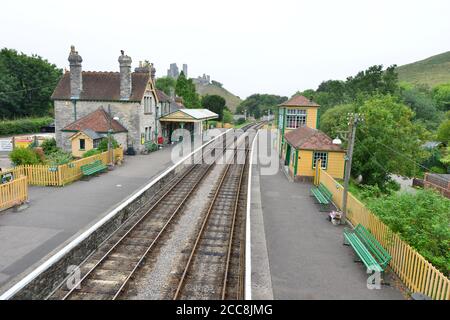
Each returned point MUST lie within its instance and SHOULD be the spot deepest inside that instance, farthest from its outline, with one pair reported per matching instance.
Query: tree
(441, 95)
(387, 141)
(185, 88)
(372, 81)
(227, 116)
(421, 102)
(214, 103)
(354, 89)
(26, 84)
(166, 85)
(335, 120)
(443, 132)
(257, 104)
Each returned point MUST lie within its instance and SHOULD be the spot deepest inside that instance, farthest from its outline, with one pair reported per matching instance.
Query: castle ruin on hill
(174, 72)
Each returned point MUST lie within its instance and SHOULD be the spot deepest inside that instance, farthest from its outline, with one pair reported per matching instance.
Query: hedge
(24, 125)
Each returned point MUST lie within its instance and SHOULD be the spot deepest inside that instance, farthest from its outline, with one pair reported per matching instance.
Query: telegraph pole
(354, 119)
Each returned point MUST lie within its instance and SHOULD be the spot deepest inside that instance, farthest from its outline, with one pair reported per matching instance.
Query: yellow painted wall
(335, 167)
(336, 164)
(311, 117)
(89, 144)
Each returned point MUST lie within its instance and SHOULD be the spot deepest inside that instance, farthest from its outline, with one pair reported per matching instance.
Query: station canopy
(189, 115)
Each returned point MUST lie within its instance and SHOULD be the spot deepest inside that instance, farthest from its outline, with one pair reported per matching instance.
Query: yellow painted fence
(46, 175)
(13, 193)
(414, 270)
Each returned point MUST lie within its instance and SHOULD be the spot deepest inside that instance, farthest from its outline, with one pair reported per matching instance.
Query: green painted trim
(296, 162)
(283, 111)
(317, 118)
(288, 156)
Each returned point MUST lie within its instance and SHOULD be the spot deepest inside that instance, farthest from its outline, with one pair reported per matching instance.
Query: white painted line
(53, 259)
(248, 246)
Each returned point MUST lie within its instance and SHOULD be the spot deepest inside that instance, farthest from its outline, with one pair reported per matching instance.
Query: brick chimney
(125, 76)
(76, 82)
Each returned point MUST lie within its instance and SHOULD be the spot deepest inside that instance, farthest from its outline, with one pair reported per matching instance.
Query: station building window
(323, 156)
(295, 118)
(148, 104)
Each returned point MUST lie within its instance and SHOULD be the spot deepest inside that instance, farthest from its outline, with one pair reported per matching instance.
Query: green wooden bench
(368, 249)
(322, 194)
(94, 167)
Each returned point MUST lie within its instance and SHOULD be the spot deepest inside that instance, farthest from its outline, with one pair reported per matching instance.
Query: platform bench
(322, 194)
(368, 249)
(94, 167)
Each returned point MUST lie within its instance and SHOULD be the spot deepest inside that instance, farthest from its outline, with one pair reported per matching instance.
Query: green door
(288, 155)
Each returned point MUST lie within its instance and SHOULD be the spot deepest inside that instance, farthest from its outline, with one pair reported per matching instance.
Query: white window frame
(320, 155)
(295, 118)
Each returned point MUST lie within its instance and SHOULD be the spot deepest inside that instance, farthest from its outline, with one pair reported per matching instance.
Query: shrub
(23, 156)
(240, 121)
(59, 157)
(421, 219)
(91, 152)
(150, 146)
(212, 124)
(49, 146)
(40, 153)
(25, 125)
(103, 145)
(438, 170)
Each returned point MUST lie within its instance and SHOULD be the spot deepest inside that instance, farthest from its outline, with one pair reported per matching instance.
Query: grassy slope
(232, 100)
(431, 71)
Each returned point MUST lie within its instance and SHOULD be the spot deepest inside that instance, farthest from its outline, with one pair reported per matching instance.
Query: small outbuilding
(89, 130)
(305, 146)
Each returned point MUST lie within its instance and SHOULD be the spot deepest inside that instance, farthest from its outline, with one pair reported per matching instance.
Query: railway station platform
(305, 255)
(57, 215)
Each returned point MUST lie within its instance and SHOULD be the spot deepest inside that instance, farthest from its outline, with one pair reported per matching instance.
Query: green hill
(431, 71)
(232, 100)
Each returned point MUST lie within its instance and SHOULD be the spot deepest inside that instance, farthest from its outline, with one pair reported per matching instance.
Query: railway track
(215, 266)
(106, 273)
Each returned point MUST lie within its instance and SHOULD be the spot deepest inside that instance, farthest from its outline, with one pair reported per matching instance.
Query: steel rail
(204, 223)
(199, 235)
(233, 223)
(161, 232)
(126, 234)
(141, 259)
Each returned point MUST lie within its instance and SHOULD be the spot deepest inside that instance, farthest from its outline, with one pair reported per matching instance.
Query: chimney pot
(76, 81)
(125, 76)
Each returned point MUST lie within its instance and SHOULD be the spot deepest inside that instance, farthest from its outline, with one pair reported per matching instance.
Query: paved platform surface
(56, 215)
(306, 257)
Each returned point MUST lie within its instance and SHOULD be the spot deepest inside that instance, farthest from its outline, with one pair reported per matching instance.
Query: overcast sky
(251, 47)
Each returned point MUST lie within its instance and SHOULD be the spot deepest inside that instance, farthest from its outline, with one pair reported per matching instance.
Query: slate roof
(102, 86)
(299, 101)
(162, 97)
(311, 139)
(97, 121)
(90, 133)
